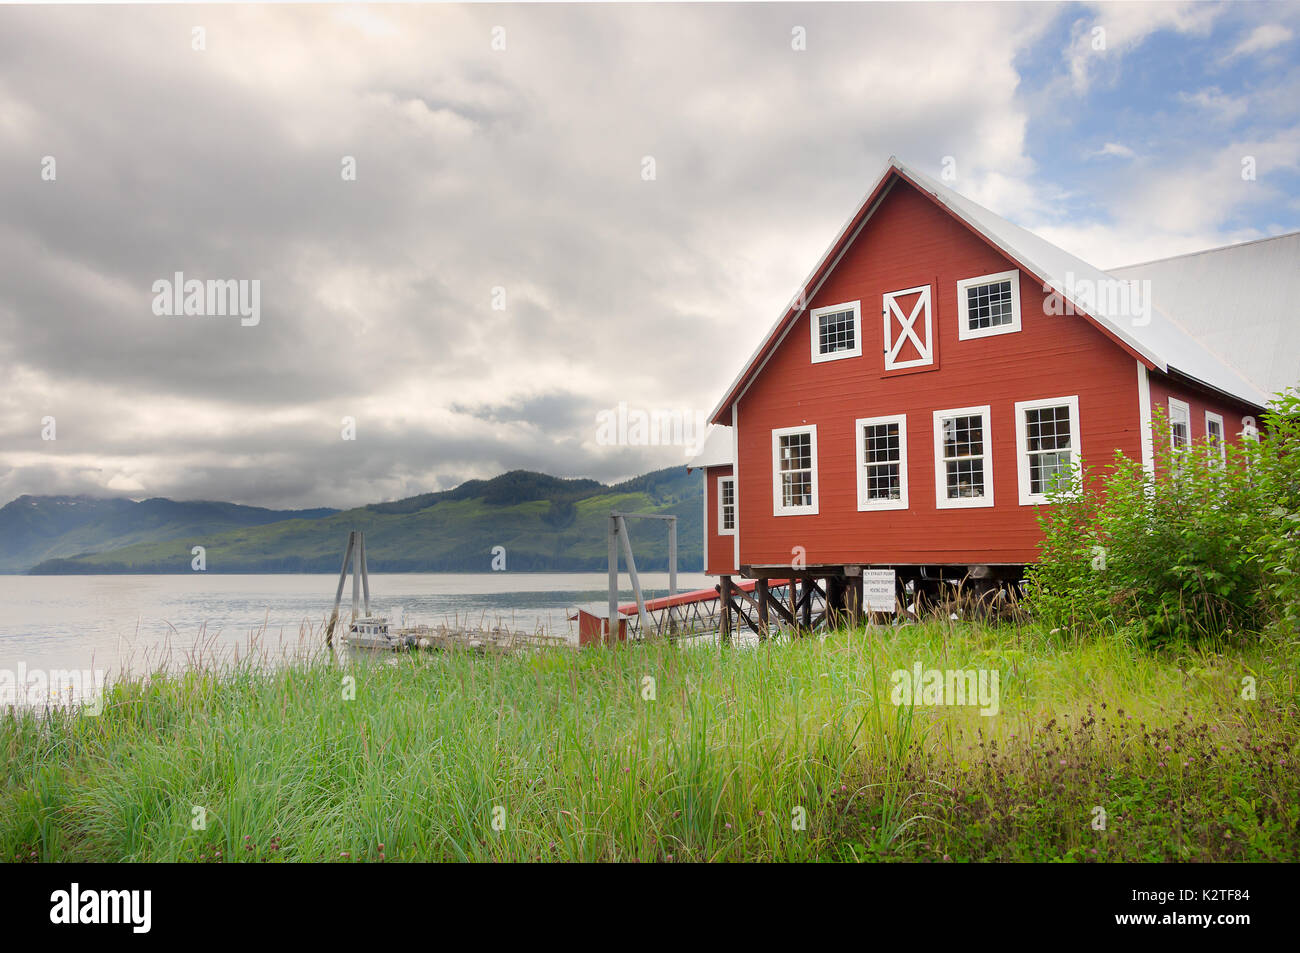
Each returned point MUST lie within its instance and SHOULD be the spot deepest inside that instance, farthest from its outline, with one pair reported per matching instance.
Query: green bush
(1203, 549)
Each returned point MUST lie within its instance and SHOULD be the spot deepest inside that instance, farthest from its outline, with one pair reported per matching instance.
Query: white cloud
(1124, 27)
(1115, 149)
(518, 169)
(1222, 106)
(1266, 36)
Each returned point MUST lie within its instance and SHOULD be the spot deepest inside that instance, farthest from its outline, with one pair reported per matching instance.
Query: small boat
(373, 632)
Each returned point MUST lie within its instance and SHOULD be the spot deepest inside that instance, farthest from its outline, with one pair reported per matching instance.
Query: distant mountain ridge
(545, 523)
(34, 529)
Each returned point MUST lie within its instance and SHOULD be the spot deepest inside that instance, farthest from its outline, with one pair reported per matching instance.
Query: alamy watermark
(624, 426)
(1114, 297)
(216, 297)
(932, 686)
(128, 907)
(39, 687)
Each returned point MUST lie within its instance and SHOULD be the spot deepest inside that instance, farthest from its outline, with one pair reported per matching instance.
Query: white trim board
(1146, 434)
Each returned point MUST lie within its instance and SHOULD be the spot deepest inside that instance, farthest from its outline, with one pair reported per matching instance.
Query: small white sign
(878, 590)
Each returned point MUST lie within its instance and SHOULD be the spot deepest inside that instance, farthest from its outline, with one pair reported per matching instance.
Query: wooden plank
(365, 572)
(611, 624)
(724, 597)
(632, 575)
(338, 593)
(356, 578)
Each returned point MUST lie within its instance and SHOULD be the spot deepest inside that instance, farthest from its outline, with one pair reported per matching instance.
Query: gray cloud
(476, 169)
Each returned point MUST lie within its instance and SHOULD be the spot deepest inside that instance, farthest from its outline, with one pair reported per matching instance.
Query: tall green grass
(655, 753)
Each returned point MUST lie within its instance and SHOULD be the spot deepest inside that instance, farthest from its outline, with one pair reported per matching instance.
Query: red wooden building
(941, 366)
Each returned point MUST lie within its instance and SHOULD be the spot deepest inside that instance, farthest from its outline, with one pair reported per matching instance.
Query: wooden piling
(724, 595)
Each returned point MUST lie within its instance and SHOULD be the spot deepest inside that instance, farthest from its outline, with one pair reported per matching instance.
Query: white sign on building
(878, 590)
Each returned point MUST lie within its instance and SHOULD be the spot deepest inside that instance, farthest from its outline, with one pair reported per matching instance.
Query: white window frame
(861, 424)
(1028, 498)
(941, 500)
(815, 324)
(778, 508)
(1222, 446)
(922, 308)
(732, 481)
(1179, 410)
(964, 331)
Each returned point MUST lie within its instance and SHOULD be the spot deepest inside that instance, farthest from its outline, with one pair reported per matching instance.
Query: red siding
(909, 242)
(1199, 401)
(720, 558)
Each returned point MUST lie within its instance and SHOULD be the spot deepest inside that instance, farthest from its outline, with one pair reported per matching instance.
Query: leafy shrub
(1202, 549)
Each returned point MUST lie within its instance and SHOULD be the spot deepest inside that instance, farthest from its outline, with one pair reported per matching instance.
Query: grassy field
(785, 751)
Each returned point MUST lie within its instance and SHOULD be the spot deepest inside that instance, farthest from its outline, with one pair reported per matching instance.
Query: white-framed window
(794, 471)
(906, 321)
(988, 305)
(963, 458)
(882, 462)
(726, 506)
(1047, 446)
(1214, 436)
(836, 332)
(1180, 424)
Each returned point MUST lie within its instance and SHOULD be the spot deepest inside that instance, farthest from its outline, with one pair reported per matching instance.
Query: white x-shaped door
(915, 326)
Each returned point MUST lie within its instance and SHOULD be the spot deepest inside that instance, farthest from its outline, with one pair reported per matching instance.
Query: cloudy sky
(517, 176)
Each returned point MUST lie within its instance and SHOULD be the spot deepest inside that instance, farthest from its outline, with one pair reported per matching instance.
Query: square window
(836, 332)
(988, 305)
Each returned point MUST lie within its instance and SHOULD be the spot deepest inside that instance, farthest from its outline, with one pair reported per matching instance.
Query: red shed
(940, 367)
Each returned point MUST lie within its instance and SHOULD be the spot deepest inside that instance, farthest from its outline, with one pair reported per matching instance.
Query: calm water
(136, 623)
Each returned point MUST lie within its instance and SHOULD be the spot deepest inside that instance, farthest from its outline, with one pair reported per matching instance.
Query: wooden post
(834, 601)
(356, 578)
(338, 593)
(725, 595)
(672, 556)
(760, 589)
(365, 573)
(806, 590)
(854, 599)
(672, 570)
(611, 627)
(631, 574)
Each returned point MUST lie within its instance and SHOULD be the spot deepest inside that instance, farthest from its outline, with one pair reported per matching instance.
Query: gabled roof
(1160, 343)
(1240, 301)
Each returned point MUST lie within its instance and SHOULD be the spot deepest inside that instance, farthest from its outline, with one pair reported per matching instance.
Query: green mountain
(34, 529)
(543, 522)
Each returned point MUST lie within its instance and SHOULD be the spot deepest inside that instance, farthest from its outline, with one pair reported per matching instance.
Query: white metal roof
(716, 452)
(1241, 301)
(1161, 339)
